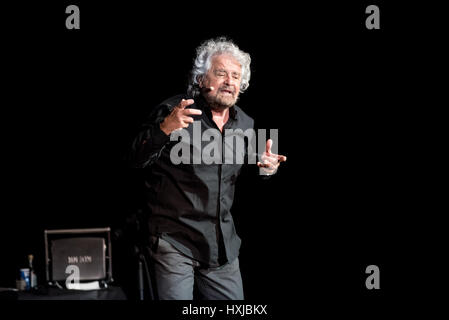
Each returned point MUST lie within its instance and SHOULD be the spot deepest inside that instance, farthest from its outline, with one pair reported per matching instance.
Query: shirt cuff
(158, 137)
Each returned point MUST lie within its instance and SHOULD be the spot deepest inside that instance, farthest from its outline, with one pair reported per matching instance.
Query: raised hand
(179, 118)
(269, 161)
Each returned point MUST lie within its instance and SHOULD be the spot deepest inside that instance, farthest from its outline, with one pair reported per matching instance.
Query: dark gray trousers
(175, 275)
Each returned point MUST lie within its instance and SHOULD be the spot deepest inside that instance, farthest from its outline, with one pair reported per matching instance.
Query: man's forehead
(226, 61)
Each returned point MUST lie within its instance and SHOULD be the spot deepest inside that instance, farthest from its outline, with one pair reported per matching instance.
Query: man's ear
(200, 81)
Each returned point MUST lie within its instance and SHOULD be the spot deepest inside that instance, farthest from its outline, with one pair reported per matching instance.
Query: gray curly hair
(202, 62)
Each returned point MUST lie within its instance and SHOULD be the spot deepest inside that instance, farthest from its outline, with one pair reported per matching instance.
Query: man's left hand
(269, 161)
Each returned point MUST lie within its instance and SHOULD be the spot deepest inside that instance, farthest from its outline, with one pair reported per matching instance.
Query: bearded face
(224, 76)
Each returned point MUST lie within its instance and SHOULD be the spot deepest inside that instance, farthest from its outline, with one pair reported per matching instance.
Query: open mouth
(227, 92)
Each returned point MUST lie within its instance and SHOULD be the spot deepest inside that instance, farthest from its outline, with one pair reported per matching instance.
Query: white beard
(221, 102)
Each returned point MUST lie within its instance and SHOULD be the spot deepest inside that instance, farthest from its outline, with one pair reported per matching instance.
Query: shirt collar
(202, 103)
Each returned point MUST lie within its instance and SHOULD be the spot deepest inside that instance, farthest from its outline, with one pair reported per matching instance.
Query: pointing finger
(192, 111)
(269, 144)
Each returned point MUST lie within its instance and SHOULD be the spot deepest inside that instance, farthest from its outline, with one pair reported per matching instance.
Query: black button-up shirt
(190, 203)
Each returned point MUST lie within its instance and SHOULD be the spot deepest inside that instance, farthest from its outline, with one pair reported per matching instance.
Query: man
(193, 239)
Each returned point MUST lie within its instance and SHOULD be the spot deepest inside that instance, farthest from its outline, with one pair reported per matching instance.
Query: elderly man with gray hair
(192, 235)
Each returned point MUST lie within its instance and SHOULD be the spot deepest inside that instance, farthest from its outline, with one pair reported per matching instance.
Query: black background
(343, 98)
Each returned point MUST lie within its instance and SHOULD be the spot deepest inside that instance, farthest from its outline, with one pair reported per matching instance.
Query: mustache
(225, 88)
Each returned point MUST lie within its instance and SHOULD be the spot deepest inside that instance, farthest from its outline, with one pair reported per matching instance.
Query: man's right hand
(179, 118)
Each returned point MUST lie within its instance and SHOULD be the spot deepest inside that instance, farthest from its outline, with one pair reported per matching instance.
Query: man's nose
(229, 80)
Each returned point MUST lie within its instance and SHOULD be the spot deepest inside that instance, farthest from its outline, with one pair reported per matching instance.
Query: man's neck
(220, 117)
